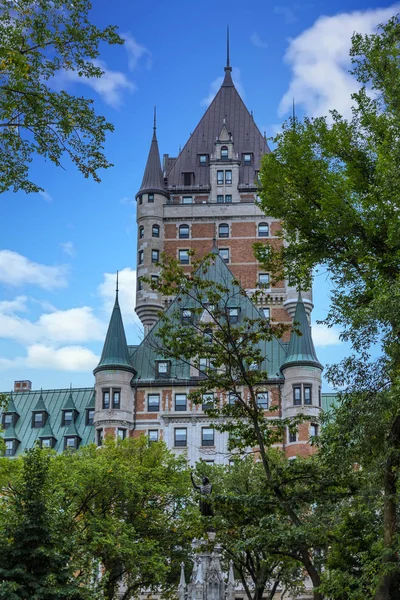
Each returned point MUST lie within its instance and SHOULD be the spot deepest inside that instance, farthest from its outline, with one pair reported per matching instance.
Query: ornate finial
(228, 61)
(155, 119)
(214, 249)
(116, 285)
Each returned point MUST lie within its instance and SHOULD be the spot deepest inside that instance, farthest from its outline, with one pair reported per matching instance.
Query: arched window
(263, 230)
(183, 232)
(224, 152)
(141, 231)
(223, 230)
(156, 231)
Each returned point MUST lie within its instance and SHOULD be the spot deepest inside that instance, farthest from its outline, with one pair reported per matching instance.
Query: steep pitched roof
(11, 408)
(10, 434)
(229, 107)
(115, 353)
(47, 431)
(153, 179)
(301, 349)
(72, 431)
(70, 404)
(40, 405)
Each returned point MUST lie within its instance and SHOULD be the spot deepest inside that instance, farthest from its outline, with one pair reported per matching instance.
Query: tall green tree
(39, 40)
(335, 185)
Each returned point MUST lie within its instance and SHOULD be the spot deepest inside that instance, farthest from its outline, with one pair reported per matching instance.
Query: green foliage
(334, 184)
(38, 41)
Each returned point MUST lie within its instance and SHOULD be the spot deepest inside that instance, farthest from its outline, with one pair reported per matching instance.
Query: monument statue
(205, 490)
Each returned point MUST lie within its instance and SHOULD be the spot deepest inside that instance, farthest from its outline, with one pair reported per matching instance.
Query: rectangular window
(46, 443)
(247, 158)
(70, 442)
(220, 199)
(100, 437)
(220, 178)
(228, 177)
(150, 198)
(67, 417)
(155, 256)
(163, 368)
(262, 400)
(228, 198)
(233, 397)
(186, 315)
(140, 199)
(207, 436)
(297, 395)
(140, 257)
(224, 254)
(153, 402)
(266, 312)
(184, 232)
(307, 394)
(121, 433)
(180, 402)
(9, 450)
(187, 200)
(116, 401)
(208, 401)
(180, 436)
(89, 416)
(292, 436)
(187, 179)
(153, 435)
(209, 462)
(184, 257)
(203, 159)
(263, 279)
(233, 314)
(319, 398)
(37, 420)
(155, 277)
(314, 430)
(204, 365)
(7, 420)
(139, 284)
(106, 399)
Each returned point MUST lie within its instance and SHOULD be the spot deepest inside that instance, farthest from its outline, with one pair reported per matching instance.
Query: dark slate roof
(149, 351)
(54, 400)
(153, 179)
(115, 353)
(301, 349)
(227, 105)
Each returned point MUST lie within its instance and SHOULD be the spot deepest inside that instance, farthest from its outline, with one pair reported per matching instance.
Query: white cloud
(68, 248)
(319, 59)
(110, 86)
(136, 52)
(19, 304)
(216, 84)
(257, 41)
(45, 195)
(287, 12)
(17, 270)
(67, 358)
(325, 336)
(126, 295)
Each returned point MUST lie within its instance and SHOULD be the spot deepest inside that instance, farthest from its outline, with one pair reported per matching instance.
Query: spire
(40, 405)
(70, 404)
(11, 408)
(115, 353)
(153, 179)
(301, 349)
(214, 249)
(228, 69)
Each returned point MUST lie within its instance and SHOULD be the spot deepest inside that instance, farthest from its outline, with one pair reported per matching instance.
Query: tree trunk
(388, 588)
(312, 572)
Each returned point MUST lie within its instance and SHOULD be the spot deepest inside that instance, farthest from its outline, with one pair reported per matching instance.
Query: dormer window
(71, 442)
(203, 159)
(10, 447)
(186, 316)
(38, 419)
(163, 368)
(47, 442)
(67, 417)
(89, 416)
(224, 153)
(9, 419)
(247, 158)
(233, 315)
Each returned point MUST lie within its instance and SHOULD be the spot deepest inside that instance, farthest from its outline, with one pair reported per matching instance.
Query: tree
(232, 359)
(38, 41)
(335, 185)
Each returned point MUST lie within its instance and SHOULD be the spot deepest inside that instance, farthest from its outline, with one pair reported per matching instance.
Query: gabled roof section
(153, 179)
(227, 107)
(115, 353)
(40, 405)
(10, 434)
(11, 408)
(149, 352)
(70, 404)
(72, 431)
(47, 431)
(301, 351)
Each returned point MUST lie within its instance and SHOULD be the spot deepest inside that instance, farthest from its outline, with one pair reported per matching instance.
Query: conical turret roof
(301, 349)
(11, 408)
(10, 434)
(40, 405)
(70, 404)
(153, 179)
(115, 353)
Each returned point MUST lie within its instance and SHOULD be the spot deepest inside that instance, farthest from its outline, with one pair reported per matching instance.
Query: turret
(113, 376)
(150, 201)
(301, 391)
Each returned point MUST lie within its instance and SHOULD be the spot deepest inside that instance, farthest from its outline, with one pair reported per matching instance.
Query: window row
(155, 256)
(70, 442)
(121, 435)
(140, 282)
(224, 177)
(181, 401)
(149, 197)
(155, 231)
(292, 433)
(181, 437)
(39, 418)
(111, 398)
(302, 394)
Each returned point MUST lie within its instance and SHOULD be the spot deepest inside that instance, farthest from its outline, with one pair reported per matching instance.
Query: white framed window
(183, 257)
(220, 178)
(163, 368)
(153, 402)
(224, 254)
(180, 436)
(153, 435)
(207, 436)
(180, 402)
(223, 230)
(263, 279)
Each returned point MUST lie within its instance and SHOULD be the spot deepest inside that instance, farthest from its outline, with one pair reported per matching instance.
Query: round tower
(114, 405)
(301, 392)
(150, 201)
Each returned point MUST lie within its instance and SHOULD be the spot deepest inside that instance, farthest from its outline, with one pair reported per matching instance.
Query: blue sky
(60, 250)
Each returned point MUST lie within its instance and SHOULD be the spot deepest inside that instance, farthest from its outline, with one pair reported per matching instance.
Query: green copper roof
(11, 406)
(26, 402)
(92, 401)
(10, 434)
(72, 430)
(47, 431)
(70, 404)
(40, 405)
(301, 349)
(115, 353)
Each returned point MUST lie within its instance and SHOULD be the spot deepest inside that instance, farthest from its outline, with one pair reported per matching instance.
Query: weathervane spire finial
(116, 286)
(227, 48)
(155, 118)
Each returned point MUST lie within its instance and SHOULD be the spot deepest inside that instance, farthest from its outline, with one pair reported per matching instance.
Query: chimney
(23, 386)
